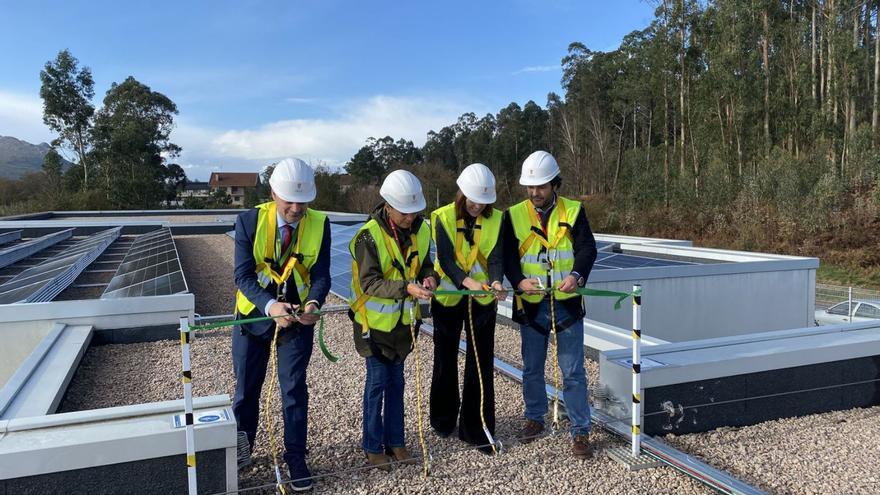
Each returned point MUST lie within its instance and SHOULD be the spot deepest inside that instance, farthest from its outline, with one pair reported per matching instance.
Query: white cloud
(21, 116)
(331, 140)
(537, 68)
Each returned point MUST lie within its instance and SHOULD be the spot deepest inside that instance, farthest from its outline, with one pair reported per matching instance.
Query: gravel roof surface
(335, 424)
(164, 218)
(207, 262)
(814, 454)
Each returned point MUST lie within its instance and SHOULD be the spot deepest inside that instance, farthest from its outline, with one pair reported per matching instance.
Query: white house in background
(234, 183)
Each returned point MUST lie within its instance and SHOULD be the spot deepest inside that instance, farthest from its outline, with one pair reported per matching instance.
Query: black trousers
(446, 406)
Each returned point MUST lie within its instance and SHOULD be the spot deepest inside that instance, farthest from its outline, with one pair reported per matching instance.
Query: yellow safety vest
(379, 313)
(304, 253)
(472, 261)
(547, 256)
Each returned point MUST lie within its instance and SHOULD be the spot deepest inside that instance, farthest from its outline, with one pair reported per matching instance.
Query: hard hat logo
(414, 198)
(299, 186)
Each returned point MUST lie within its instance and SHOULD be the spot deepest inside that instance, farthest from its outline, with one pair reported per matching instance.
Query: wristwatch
(580, 280)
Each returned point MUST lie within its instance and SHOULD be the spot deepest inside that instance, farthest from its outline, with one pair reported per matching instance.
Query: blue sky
(257, 81)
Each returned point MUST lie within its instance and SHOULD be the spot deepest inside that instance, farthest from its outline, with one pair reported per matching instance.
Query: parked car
(862, 310)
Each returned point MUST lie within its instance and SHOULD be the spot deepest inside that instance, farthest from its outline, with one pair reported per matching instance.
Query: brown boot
(580, 446)
(530, 431)
(380, 461)
(401, 455)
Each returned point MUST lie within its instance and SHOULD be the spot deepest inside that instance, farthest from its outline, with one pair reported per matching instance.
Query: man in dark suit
(282, 266)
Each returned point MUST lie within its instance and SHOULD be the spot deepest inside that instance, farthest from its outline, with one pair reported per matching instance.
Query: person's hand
(429, 283)
(471, 284)
(500, 293)
(418, 292)
(568, 285)
(283, 311)
(310, 315)
(530, 286)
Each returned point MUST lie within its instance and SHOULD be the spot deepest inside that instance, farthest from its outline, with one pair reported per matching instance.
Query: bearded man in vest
(282, 269)
(391, 272)
(549, 252)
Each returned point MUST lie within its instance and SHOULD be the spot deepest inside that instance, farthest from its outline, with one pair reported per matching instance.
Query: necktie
(288, 236)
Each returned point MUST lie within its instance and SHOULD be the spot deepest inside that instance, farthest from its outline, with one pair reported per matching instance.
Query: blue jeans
(384, 382)
(571, 363)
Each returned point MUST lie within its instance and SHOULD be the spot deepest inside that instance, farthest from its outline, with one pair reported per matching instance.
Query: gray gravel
(817, 454)
(335, 424)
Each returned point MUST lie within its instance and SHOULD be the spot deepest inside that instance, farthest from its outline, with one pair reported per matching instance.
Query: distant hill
(19, 157)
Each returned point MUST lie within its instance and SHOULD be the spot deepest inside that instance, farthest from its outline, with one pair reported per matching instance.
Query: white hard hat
(477, 184)
(403, 191)
(293, 180)
(538, 169)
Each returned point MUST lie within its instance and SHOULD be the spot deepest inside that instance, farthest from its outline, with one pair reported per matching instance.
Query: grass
(849, 276)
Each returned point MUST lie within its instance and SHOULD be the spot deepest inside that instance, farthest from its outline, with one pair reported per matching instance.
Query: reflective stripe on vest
(379, 313)
(306, 248)
(471, 261)
(545, 255)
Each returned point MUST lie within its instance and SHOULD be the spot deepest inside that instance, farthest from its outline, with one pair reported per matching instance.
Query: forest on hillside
(749, 124)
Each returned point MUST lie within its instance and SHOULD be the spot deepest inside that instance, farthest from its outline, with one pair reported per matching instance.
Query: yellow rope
(555, 362)
(412, 331)
(270, 424)
(479, 373)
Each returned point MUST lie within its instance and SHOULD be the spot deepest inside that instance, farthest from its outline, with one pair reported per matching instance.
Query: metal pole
(186, 378)
(849, 306)
(637, 371)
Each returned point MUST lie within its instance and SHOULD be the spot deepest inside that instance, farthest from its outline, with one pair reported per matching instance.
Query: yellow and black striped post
(636, 371)
(186, 378)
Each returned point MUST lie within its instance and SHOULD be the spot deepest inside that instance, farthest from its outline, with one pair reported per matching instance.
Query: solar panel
(150, 268)
(340, 258)
(616, 261)
(604, 245)
(7, 237)
(46, 280)
(22, 250)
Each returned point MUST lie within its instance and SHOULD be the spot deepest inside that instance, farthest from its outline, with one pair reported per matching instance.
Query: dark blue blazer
(246, 276)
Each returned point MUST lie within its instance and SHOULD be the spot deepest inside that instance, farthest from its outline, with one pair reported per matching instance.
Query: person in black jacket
(467, 237)
(549, 251)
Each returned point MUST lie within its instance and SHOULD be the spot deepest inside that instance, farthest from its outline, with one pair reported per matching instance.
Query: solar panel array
(46, 280)
(150, 268)
(21, 250)
(340, 258)
(616, 261)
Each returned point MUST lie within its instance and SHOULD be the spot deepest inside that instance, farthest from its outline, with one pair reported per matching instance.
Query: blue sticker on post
(201, 418)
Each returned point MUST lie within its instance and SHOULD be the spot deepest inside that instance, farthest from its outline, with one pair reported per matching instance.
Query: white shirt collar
(281, 223)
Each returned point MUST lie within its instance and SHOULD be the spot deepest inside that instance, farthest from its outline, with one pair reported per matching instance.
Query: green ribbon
(327, 354)
(583, 291)
(228, 323)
